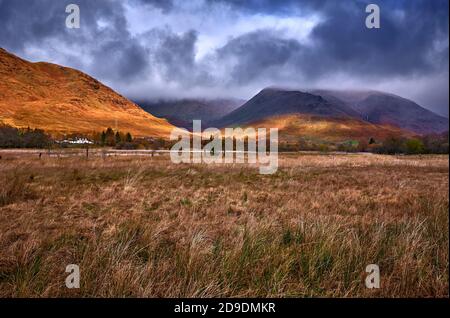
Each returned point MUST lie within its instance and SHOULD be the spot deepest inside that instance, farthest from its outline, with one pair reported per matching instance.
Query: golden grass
(144, 227)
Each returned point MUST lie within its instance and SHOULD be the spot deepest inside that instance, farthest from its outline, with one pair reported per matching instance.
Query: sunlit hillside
(59, 99)
(292, 127)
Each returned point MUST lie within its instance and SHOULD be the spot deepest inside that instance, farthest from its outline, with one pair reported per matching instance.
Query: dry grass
(148, 228)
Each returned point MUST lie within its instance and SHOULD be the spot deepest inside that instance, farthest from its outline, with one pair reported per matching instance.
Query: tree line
(428, 144)
(112, 138)
(11, 137)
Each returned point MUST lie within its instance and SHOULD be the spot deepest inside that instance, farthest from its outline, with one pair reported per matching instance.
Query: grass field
(144, 227)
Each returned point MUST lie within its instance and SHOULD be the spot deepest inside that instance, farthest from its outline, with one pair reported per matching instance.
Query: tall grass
(147, 228)
(15, 187)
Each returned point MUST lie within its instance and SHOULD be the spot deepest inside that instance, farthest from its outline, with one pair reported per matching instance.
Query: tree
(35, 139)
(363, 145)
(118, 138)
(393, 145)
(436, 143)
(110, 137)
(414, 146)
(11, 137)
(103, 138)
(128, 138)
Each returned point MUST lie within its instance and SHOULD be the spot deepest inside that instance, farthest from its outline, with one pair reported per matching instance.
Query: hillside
(321, 128)
(61, 100)
(275, 102)
(382, 108)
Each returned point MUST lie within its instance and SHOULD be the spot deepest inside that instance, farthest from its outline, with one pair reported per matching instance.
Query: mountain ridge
(273, 101)
(385, 108)
(62, 100)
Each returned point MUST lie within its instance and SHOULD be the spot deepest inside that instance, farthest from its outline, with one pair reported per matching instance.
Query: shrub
(392, 145)
(414, 146)
(436, 143)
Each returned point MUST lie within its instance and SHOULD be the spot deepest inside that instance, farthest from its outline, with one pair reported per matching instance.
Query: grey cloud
(342, 43)
(401, 47)
(118, 60)
(176, 54)
(23, 22)
(257, 53)
(114, 52)
(165, 5)
(271, 6)
(404, 47)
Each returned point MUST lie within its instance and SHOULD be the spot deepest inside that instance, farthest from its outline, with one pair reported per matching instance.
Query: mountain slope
(182, 112)
(275, 102)
(331, 129)
(382, 108)
(61, 100)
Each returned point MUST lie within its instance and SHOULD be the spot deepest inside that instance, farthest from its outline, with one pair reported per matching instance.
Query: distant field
(144, 227)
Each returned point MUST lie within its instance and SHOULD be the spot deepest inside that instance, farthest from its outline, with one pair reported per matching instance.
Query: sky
(152, 49)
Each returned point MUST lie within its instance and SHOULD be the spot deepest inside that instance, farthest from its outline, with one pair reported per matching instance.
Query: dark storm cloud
(119, 59)
(403, 46)
(103, 35)
(22, 22)
(259, 53)
(176, 55)
(412, 43)
(27, 22)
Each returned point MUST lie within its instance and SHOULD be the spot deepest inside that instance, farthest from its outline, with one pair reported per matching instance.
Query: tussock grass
(149, 228)
(15, 187)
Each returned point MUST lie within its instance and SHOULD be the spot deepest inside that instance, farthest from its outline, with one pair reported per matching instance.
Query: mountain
(182, 112)
(62, 100)
(301, 114)
(275, 102)
(382, 108)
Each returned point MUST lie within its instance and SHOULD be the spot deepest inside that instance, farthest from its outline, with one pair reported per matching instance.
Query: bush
(363, 145)
(436, 143)
(126, 146)
(392, 145)
(9, 137)
(348, 146)
(428, 144)
(414, 146)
